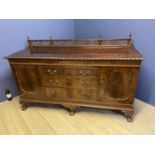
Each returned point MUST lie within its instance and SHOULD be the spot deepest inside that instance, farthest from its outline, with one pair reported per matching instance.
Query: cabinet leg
(128, 115)
(71, 109)
(24, 105)
(72, 112)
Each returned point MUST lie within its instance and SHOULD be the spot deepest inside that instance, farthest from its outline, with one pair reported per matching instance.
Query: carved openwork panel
(78, 42)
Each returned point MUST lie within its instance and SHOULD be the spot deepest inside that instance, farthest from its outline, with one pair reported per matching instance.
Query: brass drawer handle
(84, 72)
(55, 82)
(87, 72)
(81, 73)
(87, 83)
(52, 71)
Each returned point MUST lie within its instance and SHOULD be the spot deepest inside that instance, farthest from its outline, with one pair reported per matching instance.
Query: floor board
(55, 120)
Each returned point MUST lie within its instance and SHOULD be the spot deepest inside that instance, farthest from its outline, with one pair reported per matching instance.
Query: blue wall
(13, 38)
(89, 28)
(143, 32)
(13, 35)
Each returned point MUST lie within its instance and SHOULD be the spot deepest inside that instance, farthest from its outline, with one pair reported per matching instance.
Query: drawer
(69, 71)
(73, 94)
(75, 82)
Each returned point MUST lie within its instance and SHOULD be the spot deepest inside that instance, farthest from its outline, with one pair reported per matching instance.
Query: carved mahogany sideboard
(100, 73)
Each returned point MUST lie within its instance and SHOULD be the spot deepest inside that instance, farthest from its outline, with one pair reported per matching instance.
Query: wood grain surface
(55, 120)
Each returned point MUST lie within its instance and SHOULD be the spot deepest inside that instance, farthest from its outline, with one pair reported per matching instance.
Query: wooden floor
(56, 120)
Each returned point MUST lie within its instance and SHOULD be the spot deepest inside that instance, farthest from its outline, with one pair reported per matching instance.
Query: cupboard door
(28, 80)
(118, 84)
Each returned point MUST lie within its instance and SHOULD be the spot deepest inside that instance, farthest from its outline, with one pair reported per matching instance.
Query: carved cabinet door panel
(28, 80)
(117, 84)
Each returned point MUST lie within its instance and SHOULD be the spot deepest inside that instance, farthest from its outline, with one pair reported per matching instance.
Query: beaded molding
(81, 58)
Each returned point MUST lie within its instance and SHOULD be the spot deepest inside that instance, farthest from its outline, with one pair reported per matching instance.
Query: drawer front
(75, 82)
(73, 94)
(69, 71)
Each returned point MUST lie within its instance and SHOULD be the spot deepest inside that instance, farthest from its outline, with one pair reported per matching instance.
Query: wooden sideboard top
(79, 49)
(79, 54)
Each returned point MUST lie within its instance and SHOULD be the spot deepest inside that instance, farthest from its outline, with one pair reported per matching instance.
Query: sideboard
(98, 73)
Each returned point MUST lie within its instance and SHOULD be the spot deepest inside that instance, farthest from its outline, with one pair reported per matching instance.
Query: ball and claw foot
(71, 109)
(72, 113)
(129, 119)
(128, 115)
(24, 107)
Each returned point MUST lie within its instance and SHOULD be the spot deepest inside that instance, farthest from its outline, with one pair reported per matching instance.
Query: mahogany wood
(74, 73)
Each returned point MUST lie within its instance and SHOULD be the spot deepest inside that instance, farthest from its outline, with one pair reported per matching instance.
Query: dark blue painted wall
(143, 32)
(13, 35)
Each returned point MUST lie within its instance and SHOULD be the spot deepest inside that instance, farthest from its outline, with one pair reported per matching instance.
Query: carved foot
(71, 109)
(72, 113)
(129, 118)
(128, 115)
(24, 105)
